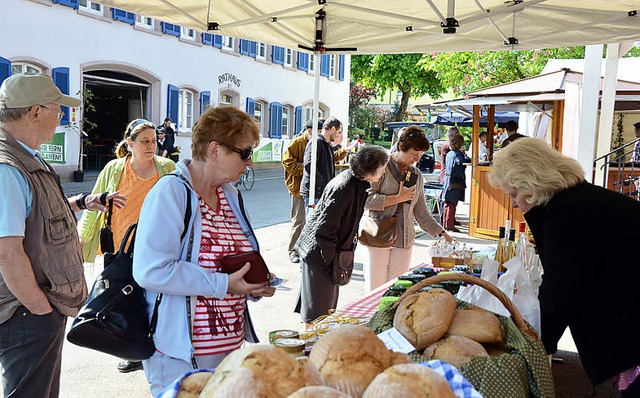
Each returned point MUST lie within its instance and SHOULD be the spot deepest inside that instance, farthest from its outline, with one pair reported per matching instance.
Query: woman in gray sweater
(389, 197)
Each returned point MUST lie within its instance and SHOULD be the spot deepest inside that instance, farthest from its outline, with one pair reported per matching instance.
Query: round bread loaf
(192, 385)
(423, 318)
(318, 392)
(260, 371)
(476, 324)
(409, 380)
(456, 350)
(349, 357)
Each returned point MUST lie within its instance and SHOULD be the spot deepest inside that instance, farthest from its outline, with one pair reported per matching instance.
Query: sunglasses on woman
(245, 154)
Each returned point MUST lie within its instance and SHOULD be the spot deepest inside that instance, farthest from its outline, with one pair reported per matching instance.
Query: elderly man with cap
(41, 271)
(292, 162)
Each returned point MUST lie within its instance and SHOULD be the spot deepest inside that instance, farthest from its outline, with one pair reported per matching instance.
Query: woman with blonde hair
(389, 197)
(203, 313)
(133, 174)
(580, 230)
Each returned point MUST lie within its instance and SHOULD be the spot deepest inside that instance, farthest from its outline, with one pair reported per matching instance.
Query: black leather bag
(378, 232)
(342, 267)
(106, 234)
(114, 319)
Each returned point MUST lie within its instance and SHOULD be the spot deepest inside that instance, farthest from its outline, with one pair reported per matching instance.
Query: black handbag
(114, 319)
(106, 234)
(342, 267)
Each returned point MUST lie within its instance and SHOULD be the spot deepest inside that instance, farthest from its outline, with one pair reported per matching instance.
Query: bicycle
(247, 179)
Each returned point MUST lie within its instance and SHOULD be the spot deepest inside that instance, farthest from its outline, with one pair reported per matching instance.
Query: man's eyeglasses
(60, 113)
(245, 154)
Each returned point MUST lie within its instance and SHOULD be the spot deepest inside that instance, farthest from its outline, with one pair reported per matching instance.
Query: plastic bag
(514, 283)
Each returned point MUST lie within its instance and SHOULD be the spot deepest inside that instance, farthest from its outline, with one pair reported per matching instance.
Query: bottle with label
(522, 248)
(499, 257)
(511, 246)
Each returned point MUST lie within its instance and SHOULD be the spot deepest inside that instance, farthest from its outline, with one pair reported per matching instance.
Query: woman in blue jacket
(454, 182)
(203, 314)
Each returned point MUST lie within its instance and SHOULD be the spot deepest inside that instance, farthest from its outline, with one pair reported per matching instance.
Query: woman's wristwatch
(441, 233)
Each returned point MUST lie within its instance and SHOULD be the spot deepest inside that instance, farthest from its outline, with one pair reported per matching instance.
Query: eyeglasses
(245, 154)
(60, 113)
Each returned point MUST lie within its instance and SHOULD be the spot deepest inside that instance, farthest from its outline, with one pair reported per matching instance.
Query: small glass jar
(293, 347)
(282, 334)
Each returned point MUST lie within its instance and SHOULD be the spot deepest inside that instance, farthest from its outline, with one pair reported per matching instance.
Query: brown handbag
(378, 232)
(258, 273)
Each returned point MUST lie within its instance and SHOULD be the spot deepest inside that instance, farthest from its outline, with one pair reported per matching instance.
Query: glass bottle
(511, 247)
(522, 248)
(499, 257)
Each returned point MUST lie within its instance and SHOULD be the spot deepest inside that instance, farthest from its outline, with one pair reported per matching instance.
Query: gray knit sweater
(406, 212)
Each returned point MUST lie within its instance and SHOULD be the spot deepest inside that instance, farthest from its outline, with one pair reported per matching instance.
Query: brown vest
(51, 239)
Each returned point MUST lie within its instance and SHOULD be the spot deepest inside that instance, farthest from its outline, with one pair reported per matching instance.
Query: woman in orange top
(133, 174)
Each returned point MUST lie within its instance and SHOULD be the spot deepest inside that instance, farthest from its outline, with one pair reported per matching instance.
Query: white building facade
(128, 66)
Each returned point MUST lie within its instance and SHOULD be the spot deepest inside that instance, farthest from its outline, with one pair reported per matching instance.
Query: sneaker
(294, 257)
(129, 366)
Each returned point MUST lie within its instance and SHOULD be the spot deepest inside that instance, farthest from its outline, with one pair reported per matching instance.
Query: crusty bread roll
(423, 318)
(192, 385)
(456, 350)
(318, 392)
(409, 380)
(398, 358)
(349, 357)
(260, 371)
(476, 324)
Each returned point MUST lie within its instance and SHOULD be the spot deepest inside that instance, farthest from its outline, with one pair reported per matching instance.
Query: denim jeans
(31, 353)
(308, 209)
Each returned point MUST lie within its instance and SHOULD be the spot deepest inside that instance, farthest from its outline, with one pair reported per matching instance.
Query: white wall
(59, 36)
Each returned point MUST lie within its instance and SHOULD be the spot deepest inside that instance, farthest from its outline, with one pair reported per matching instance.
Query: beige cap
(25, 90)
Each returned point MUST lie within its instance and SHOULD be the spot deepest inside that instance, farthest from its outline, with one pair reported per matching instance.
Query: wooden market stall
(547, 98)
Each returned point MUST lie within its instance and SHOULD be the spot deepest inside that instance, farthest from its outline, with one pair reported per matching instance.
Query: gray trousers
(298, 218)
(31, 353)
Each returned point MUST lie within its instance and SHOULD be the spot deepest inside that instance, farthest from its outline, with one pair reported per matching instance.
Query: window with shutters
(187, 34)
(25, 67)
(312, 63)
(260, 114)
(262, 51)
(91, 7)
(228, 43)
(287, 113)
(288, 57)
(308, 112)
(145, 22)
(332, 66)
(185, 110)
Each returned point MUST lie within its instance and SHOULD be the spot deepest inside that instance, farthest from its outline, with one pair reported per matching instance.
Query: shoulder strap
(187, 218)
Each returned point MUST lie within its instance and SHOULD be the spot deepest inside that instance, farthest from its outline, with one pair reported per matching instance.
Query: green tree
(396, 72)
(469, 71)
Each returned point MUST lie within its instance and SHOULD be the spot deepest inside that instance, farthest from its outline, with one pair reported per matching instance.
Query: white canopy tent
(407, 26)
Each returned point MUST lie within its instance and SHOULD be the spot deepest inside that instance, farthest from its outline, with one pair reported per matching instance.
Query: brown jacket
(50, 241)
(292, 163)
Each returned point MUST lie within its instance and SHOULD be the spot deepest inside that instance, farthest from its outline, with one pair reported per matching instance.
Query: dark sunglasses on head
(245, 154)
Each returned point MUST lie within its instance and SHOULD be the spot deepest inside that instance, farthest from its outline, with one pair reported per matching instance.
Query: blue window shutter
(170, 29)
(122, 15)
(217, 41)
(205, 101)
(244, 47)
(173, 95)
(303, 61)
(275, 121)
(251, 107)
(69, 3)
(299, 123)
(277, 55)
(61, 80)
(324, 65)
(253, 49)
(207, 38)
(5, 69)
(341, 70)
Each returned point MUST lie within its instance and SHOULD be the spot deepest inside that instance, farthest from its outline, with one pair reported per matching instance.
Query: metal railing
(627, 173)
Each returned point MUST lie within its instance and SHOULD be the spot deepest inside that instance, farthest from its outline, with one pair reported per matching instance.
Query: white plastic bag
(480, 296)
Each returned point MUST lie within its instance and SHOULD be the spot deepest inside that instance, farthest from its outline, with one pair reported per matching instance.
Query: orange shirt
(135, 189)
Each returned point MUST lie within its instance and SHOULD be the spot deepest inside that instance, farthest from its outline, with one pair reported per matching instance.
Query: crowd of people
(203, 314)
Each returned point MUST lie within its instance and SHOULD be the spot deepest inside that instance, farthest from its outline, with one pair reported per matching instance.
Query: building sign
(264, 153)
(229, 77)
(277, 151)
(53, 151)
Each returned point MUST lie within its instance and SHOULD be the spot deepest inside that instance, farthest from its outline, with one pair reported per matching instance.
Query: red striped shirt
(218, 326)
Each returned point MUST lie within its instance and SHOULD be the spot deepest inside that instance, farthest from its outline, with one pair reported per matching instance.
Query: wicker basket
(522, 371)
(499, 294)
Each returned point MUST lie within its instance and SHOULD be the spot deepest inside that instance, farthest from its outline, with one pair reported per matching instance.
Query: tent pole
(314, 125)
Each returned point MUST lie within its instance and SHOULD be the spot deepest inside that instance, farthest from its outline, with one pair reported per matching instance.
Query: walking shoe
(457, 223)
(129, 366)
(294, 257)
(454, 229)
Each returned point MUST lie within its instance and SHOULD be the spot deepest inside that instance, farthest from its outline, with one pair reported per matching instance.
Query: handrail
(616, 150)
